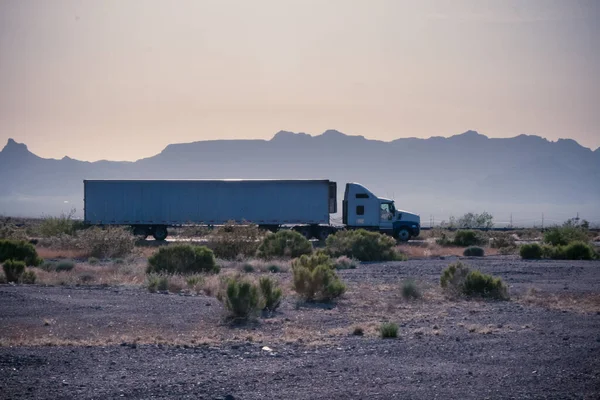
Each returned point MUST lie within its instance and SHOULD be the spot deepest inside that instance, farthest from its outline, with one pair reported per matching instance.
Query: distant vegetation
(571, 241)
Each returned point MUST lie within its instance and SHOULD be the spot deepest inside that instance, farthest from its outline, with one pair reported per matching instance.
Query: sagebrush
(284, 244)
(231, 240)
(314, 278)
(458, 278)
(182, 259)
(270, 292)
(13, 270)
(363, 245)
(242, 298)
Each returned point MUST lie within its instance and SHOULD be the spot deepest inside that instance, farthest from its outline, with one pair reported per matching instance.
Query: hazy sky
(122, 79)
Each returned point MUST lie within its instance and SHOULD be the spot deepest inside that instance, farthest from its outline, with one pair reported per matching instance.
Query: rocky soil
(123, 342)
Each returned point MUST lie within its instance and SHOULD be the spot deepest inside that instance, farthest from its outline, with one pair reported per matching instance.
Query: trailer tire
(160, 233)
(403, 234)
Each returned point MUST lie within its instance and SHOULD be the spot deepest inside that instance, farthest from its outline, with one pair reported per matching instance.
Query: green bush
(274, 269)
(64, 266)
(453, 277)
(362, 245)
(13, 270)
(270, 292)
(531, 251)
(388, 330)
(157, 282)
(477, 283)
(242, 298)
(563, 235)
(284, 244)
(19, 250)
(358, 331)
(314, 278)
(248, 268)
(474, 251)
(28, 277)
(182, 259)
(459, 279)
(231, 241)
(579, 251)
(466, 238)
(410, 290)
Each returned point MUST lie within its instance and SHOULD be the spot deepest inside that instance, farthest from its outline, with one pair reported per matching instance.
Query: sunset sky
(119, 80)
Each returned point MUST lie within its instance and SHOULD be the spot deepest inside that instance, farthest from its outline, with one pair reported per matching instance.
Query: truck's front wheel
(403, 234)
(160, 233)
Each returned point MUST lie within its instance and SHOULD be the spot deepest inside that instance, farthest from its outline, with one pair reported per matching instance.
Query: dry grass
(585, 303)
(86, 274)
(53, 254)
(431, 249)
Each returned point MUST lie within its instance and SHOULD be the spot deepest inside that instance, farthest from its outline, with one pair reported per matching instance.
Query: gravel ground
(123, 342)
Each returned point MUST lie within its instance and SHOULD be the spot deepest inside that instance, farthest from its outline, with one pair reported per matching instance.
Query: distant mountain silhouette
(438, 175)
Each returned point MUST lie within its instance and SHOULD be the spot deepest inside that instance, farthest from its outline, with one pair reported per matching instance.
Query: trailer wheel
(403, 235)
(160, 233)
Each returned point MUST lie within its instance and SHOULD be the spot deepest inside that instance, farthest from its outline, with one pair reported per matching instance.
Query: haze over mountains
(437, 177)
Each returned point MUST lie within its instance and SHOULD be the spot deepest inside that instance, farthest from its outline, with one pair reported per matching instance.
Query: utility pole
(542, 221)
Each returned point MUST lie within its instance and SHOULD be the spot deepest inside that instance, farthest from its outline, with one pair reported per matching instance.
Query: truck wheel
(160, 233)
(403, 235)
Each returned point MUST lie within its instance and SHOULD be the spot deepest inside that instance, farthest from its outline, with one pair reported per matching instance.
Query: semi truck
(151, 206)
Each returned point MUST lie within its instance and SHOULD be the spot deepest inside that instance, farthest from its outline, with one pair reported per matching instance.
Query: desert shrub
(358, 331)
(563, 235)
(284, 244)
(477, 283)
(314, 278)
(345, 262)
(531, 251)
(61, 225)
(64, 266)
(182, 259)
(248, 268)
(93, 261)
(19, 250)
(443, 239)
(506, 251)
(501, 240)
(466, 238)
(157, 282)
(474, 251)
(388, 330)
(362, 245)
(453, 277)
(9, 230)
(274, 269)
(459, 279)
(28, 277)
(410, 290)
(13, 270)
(231, 241)
(270, 292)
(242, 298)
(109, 242)
(577, 251)
(194, 280)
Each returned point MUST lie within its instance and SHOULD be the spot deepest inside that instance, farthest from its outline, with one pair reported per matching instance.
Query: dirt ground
(91, 342)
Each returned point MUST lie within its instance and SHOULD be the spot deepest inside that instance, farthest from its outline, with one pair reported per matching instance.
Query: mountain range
(436, 177)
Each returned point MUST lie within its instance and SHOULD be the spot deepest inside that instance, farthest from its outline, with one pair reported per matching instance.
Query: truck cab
(362, 209)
